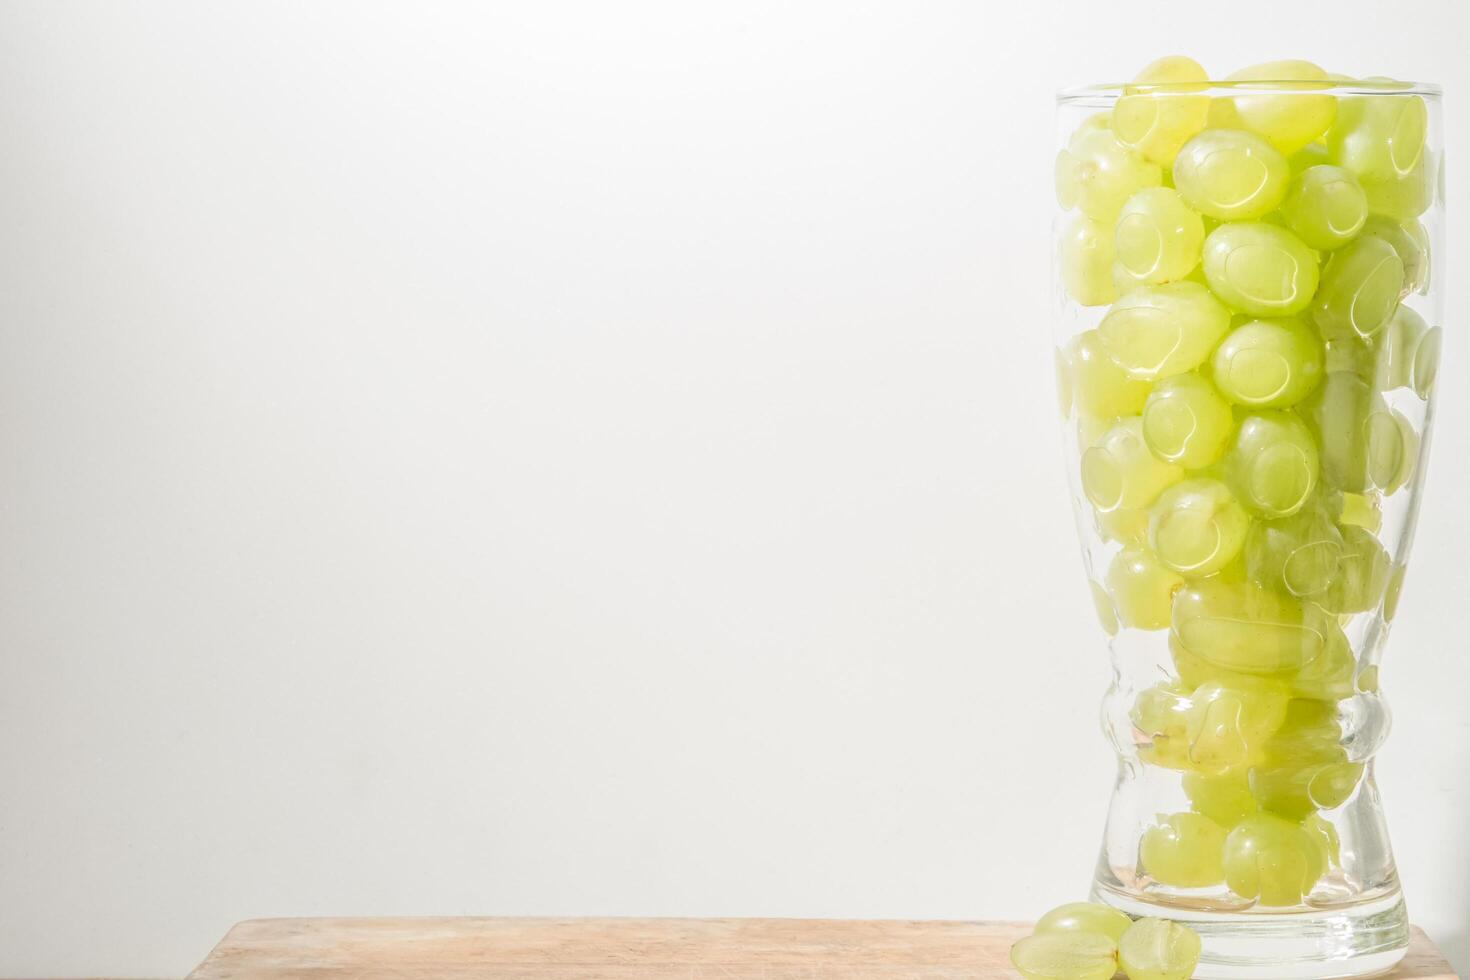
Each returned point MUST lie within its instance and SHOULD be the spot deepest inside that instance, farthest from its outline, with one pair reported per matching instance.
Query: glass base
(1357, 941)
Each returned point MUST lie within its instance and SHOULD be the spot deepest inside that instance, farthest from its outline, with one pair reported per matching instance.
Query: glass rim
(1109, 91)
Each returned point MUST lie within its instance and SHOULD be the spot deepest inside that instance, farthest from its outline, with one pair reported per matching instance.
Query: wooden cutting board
(639, 949)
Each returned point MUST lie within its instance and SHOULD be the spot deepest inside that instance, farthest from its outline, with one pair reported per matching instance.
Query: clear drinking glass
(1248, 306)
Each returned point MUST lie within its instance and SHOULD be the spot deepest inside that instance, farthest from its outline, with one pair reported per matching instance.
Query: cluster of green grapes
(1087, 941)
(1253, 249)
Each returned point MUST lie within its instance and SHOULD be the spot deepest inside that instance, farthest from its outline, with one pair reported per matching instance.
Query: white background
(544, 458)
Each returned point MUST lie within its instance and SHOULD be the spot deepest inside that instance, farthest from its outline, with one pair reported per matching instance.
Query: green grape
(1065, 956)
(1197, 528)
(1222, 115)
(1296, 555)
(1161, 710)
(1166, 752)
(1393, 591)
(1161, 714)
(1311, 155)
(1410, 241)
(1361, 287)
(1272, 860)
(1194, 670)
(1243, 628)
(1379, 137)
(1066, 173)
(1297, 792)
(1223, 797)
(1363, 510)
(1361, 575)
(1091, 429)
(1128, 526)
(1120, 471)
(1157, 949)
(1124, 282)
(1325, 206)
(1085, 258)
(1102, 604)
(1142, 589)
(1289, 121)
(1185, 421)
(1268, 363)
(1285, 792)
(1231, 175)
(1330, 676)
(1426, 362)
(1063, 372)
(1260, 269)
(1272, 465)
(1392, 450)
(1064, 179)
(1183, 850)
(1407, 197)
(1304, 766)
(1309, 734)
(1098, 122)
(1156, 121)
(1157, 331)
(1105, 173)
(1093, 917)
(1320, 829)
(1404, 354)
(1397, 346)
(1228, 724)
(1350, 353)
(1338, 413)
(1158, 237)
(1100, 388)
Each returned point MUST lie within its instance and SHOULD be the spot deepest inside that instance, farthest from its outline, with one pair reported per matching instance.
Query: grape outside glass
(1248, 334)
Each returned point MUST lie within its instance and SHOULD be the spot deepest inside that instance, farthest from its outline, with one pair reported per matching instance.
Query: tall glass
(1248, 305)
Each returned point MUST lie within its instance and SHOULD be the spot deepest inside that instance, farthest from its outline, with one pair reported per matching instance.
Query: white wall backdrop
(547, 458)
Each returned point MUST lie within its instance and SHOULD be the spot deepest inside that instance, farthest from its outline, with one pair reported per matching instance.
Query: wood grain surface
(624, 949)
